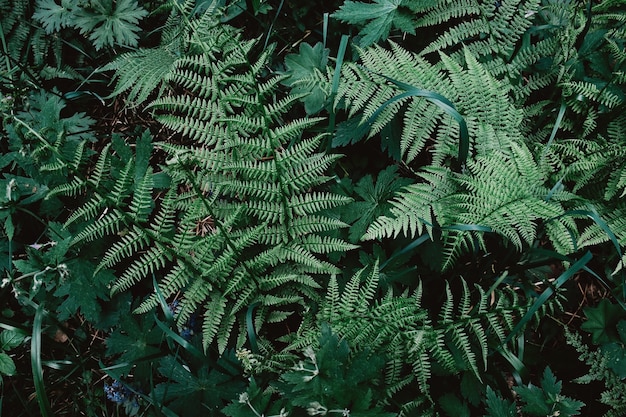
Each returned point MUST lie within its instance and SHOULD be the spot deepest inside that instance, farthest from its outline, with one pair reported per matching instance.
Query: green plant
(106, 22)
(543, 400)
(240, 224)
(380, 17)
(330, 380)
(605, 368)
(205, 198)
(417, 350)
(500, 189)
(9, 339)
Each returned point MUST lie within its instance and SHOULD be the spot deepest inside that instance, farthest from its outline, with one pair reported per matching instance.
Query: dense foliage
(263, 208)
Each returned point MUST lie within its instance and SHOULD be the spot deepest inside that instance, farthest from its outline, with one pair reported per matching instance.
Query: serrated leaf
(453, 406)
(53, 16)
(602, 321)
(108, 23)
(547, 400)
(615, 358)
(134, 340)
(378, 18)
(499, 407)
(301, 69)
(82, 290)
(204, 387)
(9, 228)
(374, 200)
(550, 385)
(304, 63)
(535, 403)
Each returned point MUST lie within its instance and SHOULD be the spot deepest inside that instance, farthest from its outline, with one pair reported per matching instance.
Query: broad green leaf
(82, 290)
(550, 385)
(547, 400)
(109, 23)
(7, 366)
(204, 387)
(535, 402)
(373, 200)
(10, 339)
(378, 18)
(453, 406)
(602, 321)
(499, 407)
(615, 354)
(54, 16)
(302, 69)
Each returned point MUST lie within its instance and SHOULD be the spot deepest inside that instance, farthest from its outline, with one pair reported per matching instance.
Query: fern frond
(132, 242)
(147, 264)
(72, 189)
(501, 26)
(215, 309)
(108, 223)
(416, 207)
(140, 72)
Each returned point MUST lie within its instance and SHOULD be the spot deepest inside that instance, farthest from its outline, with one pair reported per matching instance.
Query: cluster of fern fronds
(325, 284)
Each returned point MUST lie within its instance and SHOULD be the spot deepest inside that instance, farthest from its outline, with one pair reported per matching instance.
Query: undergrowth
(251, 208)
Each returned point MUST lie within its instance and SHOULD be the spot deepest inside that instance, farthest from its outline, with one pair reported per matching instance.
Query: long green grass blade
(167, 312)
(343, 45)
(36, 363)
(179, 339)
(325, 29)
(557, 124)
(408, 248)
(520, 372)
(250, 327)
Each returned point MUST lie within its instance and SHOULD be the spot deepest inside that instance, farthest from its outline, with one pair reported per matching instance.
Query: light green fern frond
(417, 207)
(482, 101)
(238, 234)
(140, 72)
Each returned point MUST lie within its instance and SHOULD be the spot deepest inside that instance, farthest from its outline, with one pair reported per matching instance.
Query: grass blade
(557, 124)
(36, 363)
(335, 85)
(250, 327)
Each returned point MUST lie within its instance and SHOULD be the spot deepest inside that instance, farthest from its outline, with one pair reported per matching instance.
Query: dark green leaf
(602, 321)
(377, 18)
(301, 71)
(499, 407)
(453, 406)
(10, 339)
(7, 366)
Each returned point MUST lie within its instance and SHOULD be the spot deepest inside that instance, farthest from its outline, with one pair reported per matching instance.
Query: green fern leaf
(140, 72)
